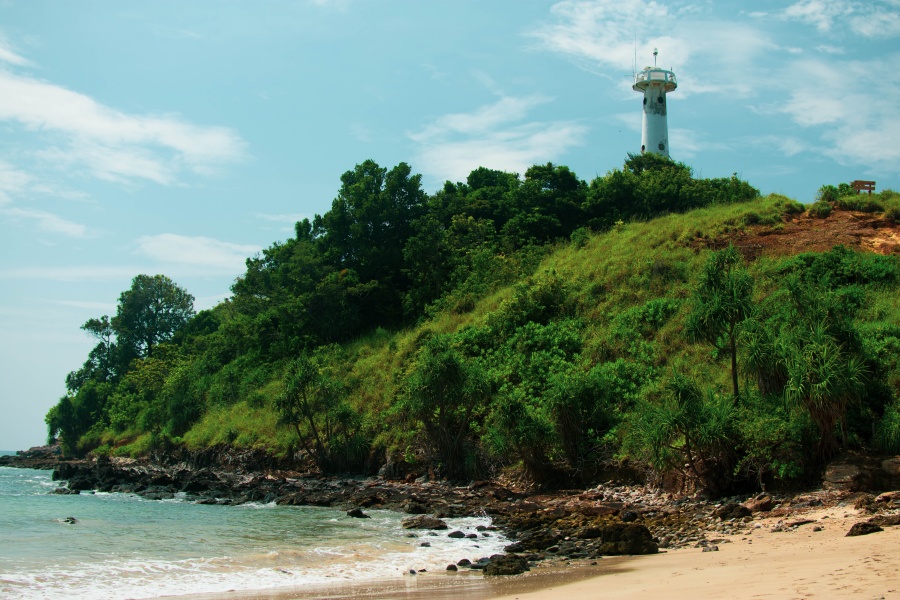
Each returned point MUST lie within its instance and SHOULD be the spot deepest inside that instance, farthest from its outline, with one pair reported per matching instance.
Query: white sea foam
(389, 556)
(124, 546)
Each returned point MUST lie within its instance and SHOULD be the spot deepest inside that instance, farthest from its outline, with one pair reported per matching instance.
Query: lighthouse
(654, 83)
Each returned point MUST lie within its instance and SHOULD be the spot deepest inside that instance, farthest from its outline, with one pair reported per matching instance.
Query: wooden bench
(863, 186)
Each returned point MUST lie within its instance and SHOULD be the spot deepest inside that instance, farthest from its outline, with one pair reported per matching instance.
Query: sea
(118, 546)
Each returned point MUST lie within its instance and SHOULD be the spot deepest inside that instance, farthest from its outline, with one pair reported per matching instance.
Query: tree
(689, 429)
(443, 394)
(313, 404)
(722, 301)
(150, 313)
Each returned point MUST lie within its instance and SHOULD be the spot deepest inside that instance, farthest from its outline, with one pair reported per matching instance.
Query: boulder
(456, 534)
(732, 510)
(452, 567)
(863, 529)
(505, 564)
(422, 522)
(627, 538)
(357, 513)
(761, 503)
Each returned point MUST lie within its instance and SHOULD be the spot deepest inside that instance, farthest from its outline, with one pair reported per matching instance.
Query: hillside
(550, 326)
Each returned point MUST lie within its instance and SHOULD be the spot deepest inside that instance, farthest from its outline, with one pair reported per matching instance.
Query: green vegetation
(540, 323)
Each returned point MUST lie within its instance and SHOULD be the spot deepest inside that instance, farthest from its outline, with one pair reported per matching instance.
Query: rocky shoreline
(606, 520)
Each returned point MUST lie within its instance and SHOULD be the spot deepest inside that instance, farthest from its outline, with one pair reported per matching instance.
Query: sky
(183, 137)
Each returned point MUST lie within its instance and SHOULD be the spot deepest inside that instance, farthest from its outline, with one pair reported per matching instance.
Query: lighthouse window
(662, 146)
(643, 147)
(660, 100)
(645, 101)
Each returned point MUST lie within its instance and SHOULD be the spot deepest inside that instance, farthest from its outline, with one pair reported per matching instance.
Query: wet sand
(797, 563)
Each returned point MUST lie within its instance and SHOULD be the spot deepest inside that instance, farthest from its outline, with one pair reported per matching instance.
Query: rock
(863, 529)
(854, 472)
(422, 522)
(888, 497)
(628, 516)
(589, 533)
(538, 540)
(760, 503)
(456, 534)
(472, 536)
(885, 520)
(413, 508)
(425, 545)
(357, 513)
(65, 491)
(505, 564)
(452, 567)
(70, 520)
(627, 538)
(891, 468)
(732, 510)
(710, 548)
(367, 500)
(464, 563)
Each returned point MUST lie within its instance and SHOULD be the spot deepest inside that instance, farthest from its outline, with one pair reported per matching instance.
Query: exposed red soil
(802, 233)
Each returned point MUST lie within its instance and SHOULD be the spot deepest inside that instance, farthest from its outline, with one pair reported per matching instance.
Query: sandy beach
(774, 560)
(797, 563)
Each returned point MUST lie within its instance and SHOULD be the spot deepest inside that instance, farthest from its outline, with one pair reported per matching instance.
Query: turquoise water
(123, 546)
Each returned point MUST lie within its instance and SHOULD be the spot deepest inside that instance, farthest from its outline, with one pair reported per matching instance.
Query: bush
(831, 193)
(860, 203)
(887, 432)
(793, 207)
(773, 440)
(820, 210)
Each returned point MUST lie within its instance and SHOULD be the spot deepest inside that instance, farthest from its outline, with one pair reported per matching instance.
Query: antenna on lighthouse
(655, 52)
(634, 61)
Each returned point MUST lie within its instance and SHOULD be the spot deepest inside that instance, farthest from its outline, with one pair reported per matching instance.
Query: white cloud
(203, 252)
(12, 181)
(282, 218)
(880, 22)
(861, 123)
(714, 55)
(600, 32)
(101, 307)
(8, 55)
(484, 119)
(46, 221)
(819, 13)
(829, 49)
(453, 145)
(285, 222)
(113, 145)
(72, 274)
(872, 19)
(787, 145)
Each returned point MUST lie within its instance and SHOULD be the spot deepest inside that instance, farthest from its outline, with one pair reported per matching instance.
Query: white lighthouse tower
(654, 83)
